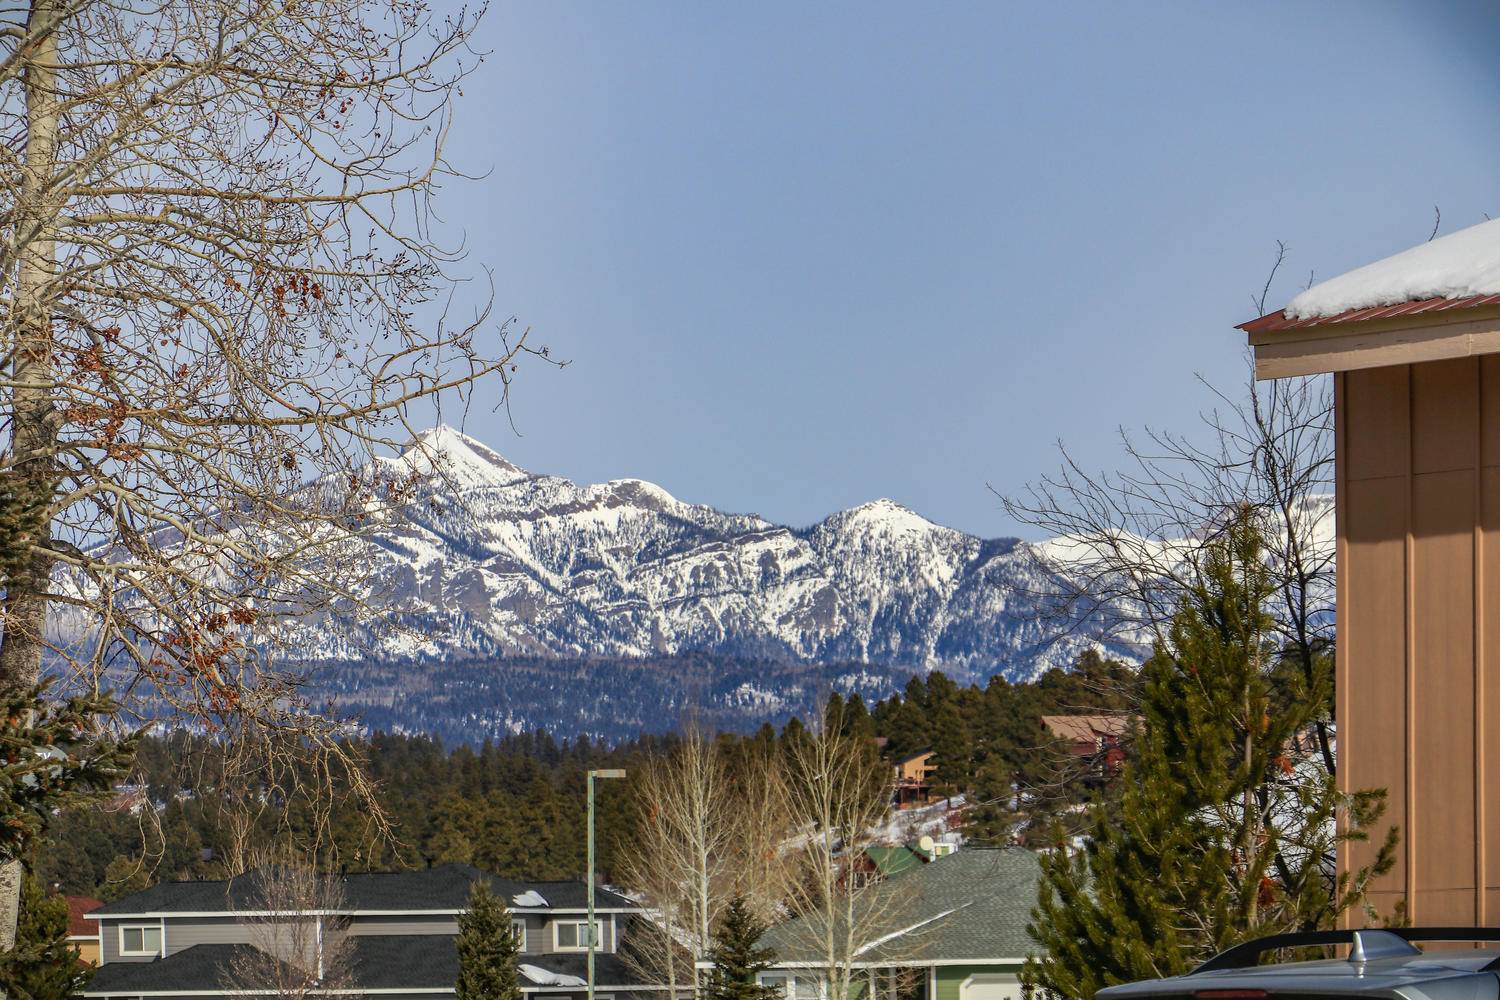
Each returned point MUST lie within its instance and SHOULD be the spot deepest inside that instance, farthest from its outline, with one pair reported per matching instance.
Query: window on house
(806, 988)
(572, 935)
(794, 987)
(140, 939)
(518, 931)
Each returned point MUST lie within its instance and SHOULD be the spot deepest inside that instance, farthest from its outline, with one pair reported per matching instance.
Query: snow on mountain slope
(486, 560)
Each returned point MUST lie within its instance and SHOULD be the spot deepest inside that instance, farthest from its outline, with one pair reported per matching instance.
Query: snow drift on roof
(1455, 266)
(544, 978)
(528, 898)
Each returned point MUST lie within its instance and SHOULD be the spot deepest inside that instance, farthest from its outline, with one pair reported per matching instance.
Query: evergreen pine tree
(910, 729)
(737, 959)
(833, 710)
(1218, 835)
(952, 741)
(857, 721)
(487, 949)
(43, 965)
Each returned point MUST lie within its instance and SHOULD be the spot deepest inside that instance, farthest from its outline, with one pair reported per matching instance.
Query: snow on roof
(542, 977)
(1460, 265)
(528, 898)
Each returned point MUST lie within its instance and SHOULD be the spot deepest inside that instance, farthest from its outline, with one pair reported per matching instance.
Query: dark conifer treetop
(43, 965)
(1220, 833)
(487, 949)
(737, 958)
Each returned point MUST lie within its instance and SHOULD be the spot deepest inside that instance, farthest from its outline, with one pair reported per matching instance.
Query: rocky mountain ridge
(486, 560)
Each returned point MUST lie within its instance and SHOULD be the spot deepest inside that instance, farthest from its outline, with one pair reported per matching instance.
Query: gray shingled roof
(972, 905)
(380, 961)
(443, 888)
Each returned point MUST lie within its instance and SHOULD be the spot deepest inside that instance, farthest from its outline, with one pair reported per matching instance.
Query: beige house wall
(1418, 669)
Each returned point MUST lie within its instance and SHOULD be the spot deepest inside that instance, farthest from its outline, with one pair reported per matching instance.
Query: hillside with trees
(515, 806)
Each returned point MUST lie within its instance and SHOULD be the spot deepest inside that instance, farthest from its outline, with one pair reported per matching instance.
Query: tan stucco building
(1415, 357)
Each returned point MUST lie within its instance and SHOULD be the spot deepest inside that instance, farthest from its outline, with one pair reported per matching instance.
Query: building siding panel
(436, 923)
(1488, 693)
(1372, 635)
(1376, 407)
(1489, 409)
(184, 932)
(1444, 415)
(1419, 492)
(1442, 622)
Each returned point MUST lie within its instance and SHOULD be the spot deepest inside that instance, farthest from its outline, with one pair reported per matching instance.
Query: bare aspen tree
(219, 285)
(706, 833)
(1131, 543)
(763, 829)
(299, 945)
(683, 843)
(656, 949)
(1137, 542)
(836, 794)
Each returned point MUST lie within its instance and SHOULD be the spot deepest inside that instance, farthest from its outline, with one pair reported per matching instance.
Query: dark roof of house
(914, 755)
(972, 906)
(77, 907)
(201, 967)
(379, 961)
(445, 887)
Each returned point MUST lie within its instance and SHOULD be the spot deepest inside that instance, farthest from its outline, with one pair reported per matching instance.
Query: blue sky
(806, 255)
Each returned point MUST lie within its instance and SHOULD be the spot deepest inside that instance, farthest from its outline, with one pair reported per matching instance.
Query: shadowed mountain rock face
(501, 580)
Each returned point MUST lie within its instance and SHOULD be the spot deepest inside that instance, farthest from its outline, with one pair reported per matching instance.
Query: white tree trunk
(33, 427)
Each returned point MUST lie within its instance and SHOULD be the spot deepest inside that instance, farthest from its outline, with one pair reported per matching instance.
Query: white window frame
(518, 931)
(149, 953)
(557, 926)
(789, 979)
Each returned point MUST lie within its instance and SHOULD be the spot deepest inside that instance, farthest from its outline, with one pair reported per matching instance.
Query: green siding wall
(950, 977)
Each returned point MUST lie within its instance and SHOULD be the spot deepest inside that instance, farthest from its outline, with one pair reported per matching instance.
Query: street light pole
(613, 772)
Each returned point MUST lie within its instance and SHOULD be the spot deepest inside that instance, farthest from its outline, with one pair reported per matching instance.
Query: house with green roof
(888, 861)
(953, 928)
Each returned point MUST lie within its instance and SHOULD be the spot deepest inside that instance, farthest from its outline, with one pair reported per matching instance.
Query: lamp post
(611, 772)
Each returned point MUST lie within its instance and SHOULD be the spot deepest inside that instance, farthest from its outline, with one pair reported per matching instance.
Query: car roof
(1326, 976)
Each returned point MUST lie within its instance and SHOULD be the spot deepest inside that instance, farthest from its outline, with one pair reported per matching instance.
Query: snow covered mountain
(488, 567)
(489, 560)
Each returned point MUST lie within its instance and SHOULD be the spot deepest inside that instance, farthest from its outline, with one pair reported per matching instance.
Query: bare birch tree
(299, 944)
(218, 282)
(706, 833)
(1131, 544)
(656, 949)
(836, 794)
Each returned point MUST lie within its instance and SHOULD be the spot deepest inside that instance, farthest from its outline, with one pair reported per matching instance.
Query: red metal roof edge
(1278, 320)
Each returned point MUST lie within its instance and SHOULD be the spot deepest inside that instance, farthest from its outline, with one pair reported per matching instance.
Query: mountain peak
(506, 571)
(887, 515)
(446, 452)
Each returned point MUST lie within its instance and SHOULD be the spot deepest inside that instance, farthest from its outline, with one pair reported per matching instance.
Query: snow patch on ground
(940, 820)
(1455, 266)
